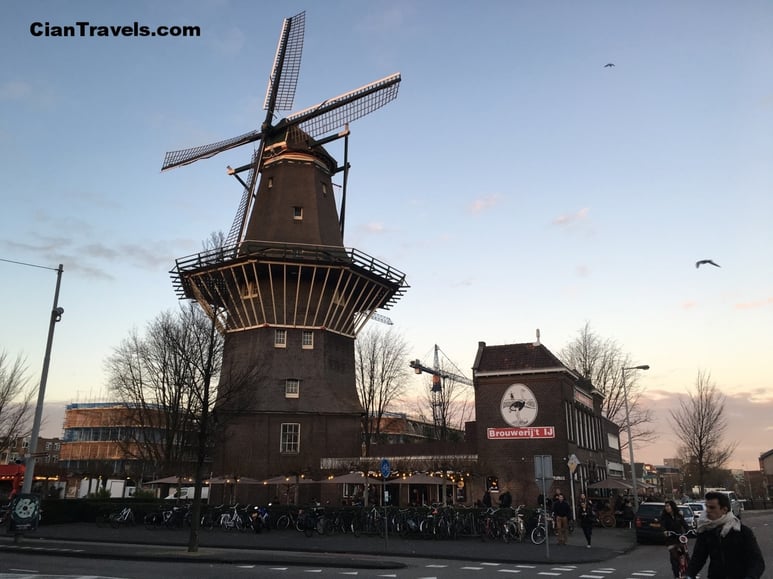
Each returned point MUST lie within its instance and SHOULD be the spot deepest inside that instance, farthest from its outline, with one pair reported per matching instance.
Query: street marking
(527, 566)
(246, 566)
(313, 570)
(472, 568)
(348, 572)
(436, 565)
(549, 573)
(564, 568)
(592, 576)
(279, 568)
(492, 564)
(509, 570)
(602, 570)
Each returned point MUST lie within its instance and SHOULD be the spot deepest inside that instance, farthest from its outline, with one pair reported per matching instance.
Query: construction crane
(438, 399)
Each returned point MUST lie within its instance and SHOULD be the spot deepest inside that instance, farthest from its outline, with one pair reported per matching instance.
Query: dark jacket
(735, 556)
(562, 509)
(506, 499)
(675, 524)
(586, 515)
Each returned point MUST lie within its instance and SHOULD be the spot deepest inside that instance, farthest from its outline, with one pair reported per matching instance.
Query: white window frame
(280, 338)
(292, 388)
(307, 340)
(297, 213)
(290, 438)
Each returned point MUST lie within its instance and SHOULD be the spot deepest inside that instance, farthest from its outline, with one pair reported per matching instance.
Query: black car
(648, 525)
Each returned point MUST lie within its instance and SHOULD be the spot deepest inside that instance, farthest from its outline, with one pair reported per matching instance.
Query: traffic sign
(386, 470)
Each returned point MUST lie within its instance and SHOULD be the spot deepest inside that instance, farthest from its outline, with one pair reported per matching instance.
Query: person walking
(561, 513)
(587, 517)
(673, 521)
(730, 545)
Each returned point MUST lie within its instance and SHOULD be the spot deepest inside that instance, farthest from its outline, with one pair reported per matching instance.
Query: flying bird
(705, 262)
(608, 65)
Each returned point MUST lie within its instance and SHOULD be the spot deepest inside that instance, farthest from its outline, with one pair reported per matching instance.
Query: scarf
(728, 522)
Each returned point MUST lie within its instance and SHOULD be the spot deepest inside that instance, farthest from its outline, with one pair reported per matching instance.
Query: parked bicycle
(543, 528)
(116, 519)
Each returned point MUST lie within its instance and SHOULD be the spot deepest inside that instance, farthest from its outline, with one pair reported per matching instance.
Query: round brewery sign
(519, 406)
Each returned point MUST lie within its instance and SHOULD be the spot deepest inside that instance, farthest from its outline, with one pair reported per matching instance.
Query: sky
(517, 181)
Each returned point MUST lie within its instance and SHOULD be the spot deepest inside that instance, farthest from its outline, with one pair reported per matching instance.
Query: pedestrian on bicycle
(731, 546)
(561, 513)
(587, 517)
(673, 521)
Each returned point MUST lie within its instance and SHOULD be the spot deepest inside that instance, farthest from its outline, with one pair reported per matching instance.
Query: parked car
(649, 527)
(698, 508)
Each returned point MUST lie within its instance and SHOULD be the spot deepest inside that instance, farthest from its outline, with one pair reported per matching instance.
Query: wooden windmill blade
(280, 94)
(334, 113)
(240, 219)
(186, 156)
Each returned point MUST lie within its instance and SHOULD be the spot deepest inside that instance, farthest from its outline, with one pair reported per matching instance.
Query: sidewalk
(293, 548)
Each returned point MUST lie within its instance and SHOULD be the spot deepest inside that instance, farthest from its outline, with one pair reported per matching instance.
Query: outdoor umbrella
(242, 480)
(611, 483)
(421, 479)
(171, 480)
(352, 478)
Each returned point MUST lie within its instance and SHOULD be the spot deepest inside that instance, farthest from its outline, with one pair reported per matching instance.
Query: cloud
(15, 90)
(571, 218)
(582, 271)
(748, 414)
(688, 305)
(483, 203)
(95, 258)
(374, 227)
(754, 305)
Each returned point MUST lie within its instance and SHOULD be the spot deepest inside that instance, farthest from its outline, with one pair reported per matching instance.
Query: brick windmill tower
(286, 293)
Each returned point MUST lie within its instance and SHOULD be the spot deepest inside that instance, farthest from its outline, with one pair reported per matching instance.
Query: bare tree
(158, 378)
(15, 399)
(601, 361)
(381, 363)
(448, 403)
(701, 426)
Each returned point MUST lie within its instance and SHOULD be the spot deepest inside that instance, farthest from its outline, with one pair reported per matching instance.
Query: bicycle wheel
(509, 531)
(115, 520)
(607, 520)
(538, 535)
(283, 522)
(103, 520)
(207, 522)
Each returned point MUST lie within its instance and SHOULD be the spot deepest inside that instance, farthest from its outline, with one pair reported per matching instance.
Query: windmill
(315, 121)
(285, 292)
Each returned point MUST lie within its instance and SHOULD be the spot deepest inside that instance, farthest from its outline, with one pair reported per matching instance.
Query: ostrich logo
(519, 406)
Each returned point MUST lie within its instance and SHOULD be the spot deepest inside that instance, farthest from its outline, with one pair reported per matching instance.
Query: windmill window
(298, 213)
(292, 388)
(290, 438)
(280, 338)
(324, 189)
(270, 182)
(307, 340)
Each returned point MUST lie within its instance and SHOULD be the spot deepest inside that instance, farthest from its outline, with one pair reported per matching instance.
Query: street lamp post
(630, 439)
(56, 315)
